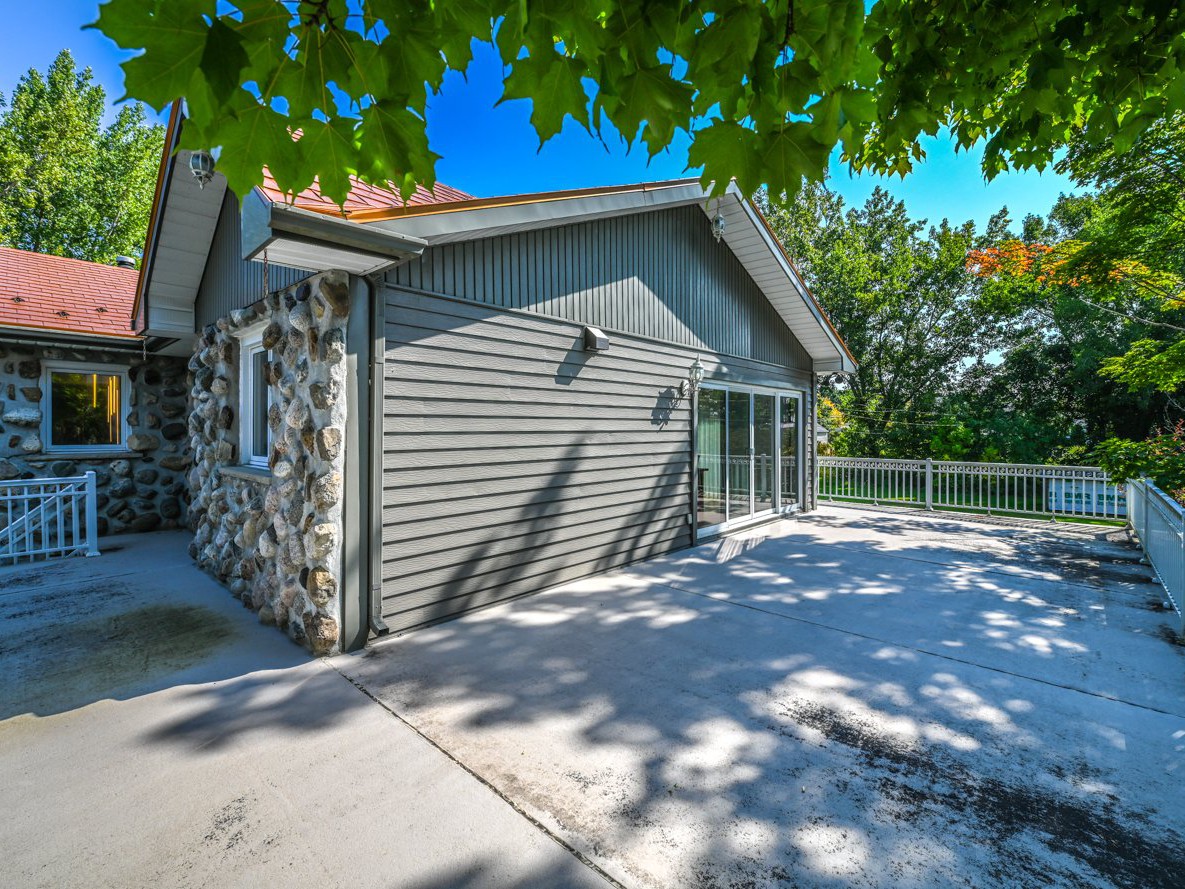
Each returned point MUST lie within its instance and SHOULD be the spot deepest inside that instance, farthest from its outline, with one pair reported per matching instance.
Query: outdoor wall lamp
(201, 165)
(595, 340)
(695, 376)
(718, 226)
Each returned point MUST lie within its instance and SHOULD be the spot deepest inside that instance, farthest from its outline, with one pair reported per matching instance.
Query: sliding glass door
(765, 470)
(739, 448)
(711, 439)
(748, 454)
(788, 444)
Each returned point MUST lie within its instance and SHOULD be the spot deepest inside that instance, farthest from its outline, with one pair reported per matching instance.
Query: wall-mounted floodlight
(595, 340)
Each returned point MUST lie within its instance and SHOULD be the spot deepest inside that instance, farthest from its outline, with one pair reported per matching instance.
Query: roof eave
(844, 361)
(139, 319)
(305, 239)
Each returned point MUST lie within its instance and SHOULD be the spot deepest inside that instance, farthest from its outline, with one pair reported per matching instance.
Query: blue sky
(490, 151)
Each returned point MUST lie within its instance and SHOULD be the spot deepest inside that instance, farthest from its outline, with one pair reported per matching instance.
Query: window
(85, 406)
(255, 437)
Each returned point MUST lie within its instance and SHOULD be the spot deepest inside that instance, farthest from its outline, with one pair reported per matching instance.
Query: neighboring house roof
(363, 198)
(56, 294)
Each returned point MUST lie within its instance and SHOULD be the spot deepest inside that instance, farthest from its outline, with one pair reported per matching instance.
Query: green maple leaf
(175, 33)
(791, 154)
(304, 81)
(223, 59)
(329, 148)
(647, 95)
(727, 150)
(393, 146)
(553, 83)
(255, 138)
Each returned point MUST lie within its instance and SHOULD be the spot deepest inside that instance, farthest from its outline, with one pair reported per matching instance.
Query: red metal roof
(55, 293)
(362, 197)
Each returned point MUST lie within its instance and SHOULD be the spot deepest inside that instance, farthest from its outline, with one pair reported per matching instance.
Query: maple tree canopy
(767, 90)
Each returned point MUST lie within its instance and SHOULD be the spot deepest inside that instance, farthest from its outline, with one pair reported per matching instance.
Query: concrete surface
(855, 698)
(153, 735)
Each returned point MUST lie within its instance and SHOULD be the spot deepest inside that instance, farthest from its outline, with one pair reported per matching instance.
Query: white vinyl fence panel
(1159, 523)
(1013, 488)
(48, 517)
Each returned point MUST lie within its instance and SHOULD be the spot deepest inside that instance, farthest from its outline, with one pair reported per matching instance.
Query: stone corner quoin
(276, 539)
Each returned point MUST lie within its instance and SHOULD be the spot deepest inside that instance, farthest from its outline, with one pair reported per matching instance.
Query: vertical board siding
(659, 275)
(513, 460)
(231, 282)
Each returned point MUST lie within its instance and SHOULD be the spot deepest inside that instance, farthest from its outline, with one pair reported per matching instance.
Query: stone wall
(141, 488)
(274, 536)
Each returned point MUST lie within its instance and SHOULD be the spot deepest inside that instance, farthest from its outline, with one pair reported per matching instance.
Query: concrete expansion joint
(493, 788)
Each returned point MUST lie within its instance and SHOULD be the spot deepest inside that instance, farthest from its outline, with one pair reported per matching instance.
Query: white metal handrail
(45, 517)
(1008, 488)
(1159, 523)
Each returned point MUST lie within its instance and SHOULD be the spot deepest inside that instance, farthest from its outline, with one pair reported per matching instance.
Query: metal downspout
(374, 480)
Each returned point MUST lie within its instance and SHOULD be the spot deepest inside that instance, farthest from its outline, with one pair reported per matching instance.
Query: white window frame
(48, 368)
(250, 344)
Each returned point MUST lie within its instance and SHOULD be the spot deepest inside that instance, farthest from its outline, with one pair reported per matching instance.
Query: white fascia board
(835, 352)
(447, 226)
(175, 261)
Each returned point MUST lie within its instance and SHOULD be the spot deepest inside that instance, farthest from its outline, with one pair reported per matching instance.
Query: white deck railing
(1159, 523)
(1001, 488)
(45, 517)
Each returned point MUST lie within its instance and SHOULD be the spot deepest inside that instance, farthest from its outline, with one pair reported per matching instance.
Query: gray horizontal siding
(229, 281)
(513, 460)
(659, 275)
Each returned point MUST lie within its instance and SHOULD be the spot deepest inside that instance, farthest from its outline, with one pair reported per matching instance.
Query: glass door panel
(711, 438)
(765, 476)
(740, 450)
(788, 446)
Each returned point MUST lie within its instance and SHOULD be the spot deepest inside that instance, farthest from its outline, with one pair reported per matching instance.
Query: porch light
(695, 374)
(201, 164)
(718, 226)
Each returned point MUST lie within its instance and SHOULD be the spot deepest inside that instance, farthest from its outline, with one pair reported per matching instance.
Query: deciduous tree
(68, 185)
(900, 296)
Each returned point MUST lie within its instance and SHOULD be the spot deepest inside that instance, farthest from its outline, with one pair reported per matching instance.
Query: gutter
(135, 345)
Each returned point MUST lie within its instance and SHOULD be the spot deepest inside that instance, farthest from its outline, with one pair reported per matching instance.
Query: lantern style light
(718, 226)
(201, 164)
(695, 374)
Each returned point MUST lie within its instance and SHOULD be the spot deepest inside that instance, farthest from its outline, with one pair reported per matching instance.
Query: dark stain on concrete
(20, 578)
(229, 826)
(60, 667)
(1124, 848)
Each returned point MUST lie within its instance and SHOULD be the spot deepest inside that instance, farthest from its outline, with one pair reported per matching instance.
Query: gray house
(404, 412)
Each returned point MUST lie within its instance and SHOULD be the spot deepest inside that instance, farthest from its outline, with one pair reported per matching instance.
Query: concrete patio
(855, 698)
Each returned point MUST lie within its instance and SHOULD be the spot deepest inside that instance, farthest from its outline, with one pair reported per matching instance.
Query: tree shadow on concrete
(724, 718)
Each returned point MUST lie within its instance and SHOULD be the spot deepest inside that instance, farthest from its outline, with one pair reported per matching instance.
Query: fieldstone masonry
(141, 488)
(274, 537)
